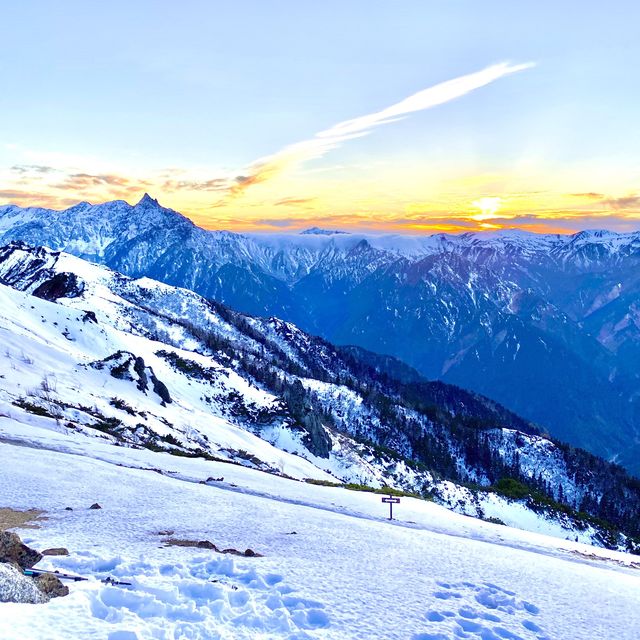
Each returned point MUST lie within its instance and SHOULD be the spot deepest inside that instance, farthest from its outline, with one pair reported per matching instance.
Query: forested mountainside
(147, 364)
(548, 325)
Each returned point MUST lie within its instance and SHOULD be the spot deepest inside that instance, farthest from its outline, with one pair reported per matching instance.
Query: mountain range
(92, 354)
(546, 325)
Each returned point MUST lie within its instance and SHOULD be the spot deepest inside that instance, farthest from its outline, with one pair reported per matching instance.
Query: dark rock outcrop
(127, 366)
(139, 368)
(15, 557)
(61, 285)
(89, 316)
(13, 550)
(160, 388)
(206, 544)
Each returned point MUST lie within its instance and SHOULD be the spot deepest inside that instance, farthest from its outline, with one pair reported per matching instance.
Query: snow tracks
(481, 611)
(202, 597)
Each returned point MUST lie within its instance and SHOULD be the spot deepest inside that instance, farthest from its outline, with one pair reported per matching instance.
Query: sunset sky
(408, 116)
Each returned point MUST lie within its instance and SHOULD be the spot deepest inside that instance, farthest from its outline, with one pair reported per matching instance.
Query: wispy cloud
(331, 138)
(78, 180)
(31, 168)
(589, 195)
(31, 198)
(215, 184)
(279, 223)
(432, 223)
(302, 203)
(115, 184)
(608, 202)
(626, 202)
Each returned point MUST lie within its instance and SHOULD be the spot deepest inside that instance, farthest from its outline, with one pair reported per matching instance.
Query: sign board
(390, 500)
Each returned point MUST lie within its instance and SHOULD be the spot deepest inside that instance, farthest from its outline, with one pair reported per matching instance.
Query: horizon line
(339, 229)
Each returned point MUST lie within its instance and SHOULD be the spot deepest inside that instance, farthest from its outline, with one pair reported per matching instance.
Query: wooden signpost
(391, 500)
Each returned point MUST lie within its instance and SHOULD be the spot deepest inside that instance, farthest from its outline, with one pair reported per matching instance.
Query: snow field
(199, 598)
(35, 349)
(346, 572)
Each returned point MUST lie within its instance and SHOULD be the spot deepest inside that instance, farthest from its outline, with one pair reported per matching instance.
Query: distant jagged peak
(147, 201)
(153, 212)
(318, 231)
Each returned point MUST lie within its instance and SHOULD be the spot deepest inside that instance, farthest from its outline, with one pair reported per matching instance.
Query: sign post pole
(390, 500)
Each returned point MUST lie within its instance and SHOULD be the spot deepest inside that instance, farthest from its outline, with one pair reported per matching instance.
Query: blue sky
(166, 97)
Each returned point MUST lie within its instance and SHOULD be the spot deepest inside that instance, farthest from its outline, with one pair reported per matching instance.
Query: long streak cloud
(293, 155)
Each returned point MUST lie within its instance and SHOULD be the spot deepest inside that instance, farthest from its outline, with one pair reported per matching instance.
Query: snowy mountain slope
(545, 324)
(47, 371)
(143, 364)
(332, 566)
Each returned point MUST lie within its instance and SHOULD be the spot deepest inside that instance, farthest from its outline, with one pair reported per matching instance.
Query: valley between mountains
(187, 419)
(547, 325)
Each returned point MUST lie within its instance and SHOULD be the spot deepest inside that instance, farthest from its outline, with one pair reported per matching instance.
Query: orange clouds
(344, 208)
(35, 199)
(48, 186)
(387, 198)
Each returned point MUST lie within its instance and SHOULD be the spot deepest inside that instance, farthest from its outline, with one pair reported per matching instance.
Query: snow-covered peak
(317, 231)
(82, 206)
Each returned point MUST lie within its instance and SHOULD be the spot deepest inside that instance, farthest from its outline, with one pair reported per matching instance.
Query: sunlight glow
(488, 207)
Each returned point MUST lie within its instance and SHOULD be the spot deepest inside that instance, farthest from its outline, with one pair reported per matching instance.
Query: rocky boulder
(16, 587)
(14, 551)
(51, 586)
(61, 285)
(56, 551)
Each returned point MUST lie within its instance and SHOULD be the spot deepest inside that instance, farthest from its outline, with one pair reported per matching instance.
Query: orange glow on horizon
(469, 203)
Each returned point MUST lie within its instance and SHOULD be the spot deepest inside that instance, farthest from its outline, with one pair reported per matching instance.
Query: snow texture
(333, 566)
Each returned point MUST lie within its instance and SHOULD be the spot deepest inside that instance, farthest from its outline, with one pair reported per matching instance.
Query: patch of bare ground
(11, 518)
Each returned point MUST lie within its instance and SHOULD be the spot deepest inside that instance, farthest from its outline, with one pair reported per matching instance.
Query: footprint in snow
(482, 612)
(201, 596)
